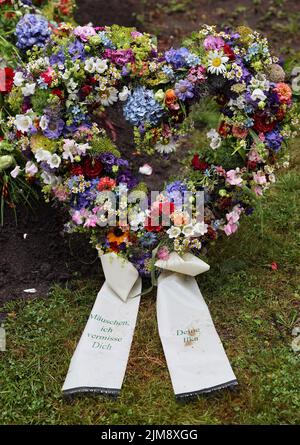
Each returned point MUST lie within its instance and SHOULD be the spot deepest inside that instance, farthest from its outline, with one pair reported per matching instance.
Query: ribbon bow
(195, 356)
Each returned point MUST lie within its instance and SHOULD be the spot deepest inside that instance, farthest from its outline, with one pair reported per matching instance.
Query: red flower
(6, 80)
(199, 164)
(263, 123)
(86, 89)
(92, 168)
(106, 183)
(229, 52)
(251, 165)
(211, 233)
(58, 92)
(224, 129)
(274, 266)
(48, 76)
(76, 170)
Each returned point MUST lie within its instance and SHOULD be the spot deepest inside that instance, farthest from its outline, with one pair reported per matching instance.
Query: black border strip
(191, 395)
(111, 392)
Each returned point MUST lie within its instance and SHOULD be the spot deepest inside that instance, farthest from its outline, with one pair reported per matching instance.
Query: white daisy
(170, 147)
(109, 96)
(216, 62)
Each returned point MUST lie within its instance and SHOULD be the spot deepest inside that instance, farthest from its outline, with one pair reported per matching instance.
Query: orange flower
(170, 97)
(117, 236)
(284, 92)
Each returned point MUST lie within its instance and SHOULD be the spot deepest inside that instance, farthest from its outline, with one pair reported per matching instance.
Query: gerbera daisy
(216, 62)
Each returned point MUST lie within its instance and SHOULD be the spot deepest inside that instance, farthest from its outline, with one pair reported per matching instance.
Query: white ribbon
(100, 359)
(195, 356)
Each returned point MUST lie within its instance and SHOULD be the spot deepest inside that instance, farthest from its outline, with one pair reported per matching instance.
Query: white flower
(14, 173)
(28, 89)
(137, 219)
(258, 94)
(101, 65)
(200, 228)
(216, 62)
(89, 65)
(296, 344)
(82, 148)
(174, 232)
(146, 169)
(296, 331)
(188, 230)
(44, 122)
(123, 95)
(18, 79)
(54, 161)
(272, 178)
(23, 122)
(50, 179)
(109, 96)
(215, 139)
(30, 168)
(42, 155)
(166, 148)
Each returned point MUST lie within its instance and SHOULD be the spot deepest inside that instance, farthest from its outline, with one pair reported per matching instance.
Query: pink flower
(258, 190)
(84, 32)
(163, 253)
(91, 221)
(213, 43)
(274, 266)
(220, 170)
(60, 193)
(260, 178)
(233, 177)
(229, 229)
(77, 218)
(253, 156)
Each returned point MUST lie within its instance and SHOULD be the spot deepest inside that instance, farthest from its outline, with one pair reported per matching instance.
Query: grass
(254, 309)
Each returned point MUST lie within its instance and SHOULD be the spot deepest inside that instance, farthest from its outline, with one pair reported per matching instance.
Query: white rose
(200, 228)
(28, 89)
(23, 122)
(174, 232)
(146, 169)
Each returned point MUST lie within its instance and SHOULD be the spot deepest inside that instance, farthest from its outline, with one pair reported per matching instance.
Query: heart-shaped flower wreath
(59, 129)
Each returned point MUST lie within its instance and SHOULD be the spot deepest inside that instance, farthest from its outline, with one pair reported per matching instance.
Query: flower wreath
(55, 135)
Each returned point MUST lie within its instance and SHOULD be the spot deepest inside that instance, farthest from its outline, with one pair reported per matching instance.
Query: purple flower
(76, 50)
(127, 178)
(177, 57)
(32, 29)
(274, 140)
(175, 192)
(213, 43)
(59, 58)
(184, 90)
(120, 57)
(54, 128)
(139, 261)
(84, 32)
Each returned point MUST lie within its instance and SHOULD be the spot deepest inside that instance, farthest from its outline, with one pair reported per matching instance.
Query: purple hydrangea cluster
(274, 140)
(177, 57)
(142, 107)
(32, 29)
(175, 191)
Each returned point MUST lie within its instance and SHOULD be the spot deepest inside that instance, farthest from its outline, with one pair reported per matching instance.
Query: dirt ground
(44, 256)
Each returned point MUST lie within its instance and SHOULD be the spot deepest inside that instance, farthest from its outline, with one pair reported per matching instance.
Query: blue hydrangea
(175, 192)
(192, 60)
(107, 43)
(142, 107)
(177, 57)
(168, 71)
(32, 29)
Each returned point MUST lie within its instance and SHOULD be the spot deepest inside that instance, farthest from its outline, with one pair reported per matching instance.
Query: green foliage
(104, 145)
(40, 100)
